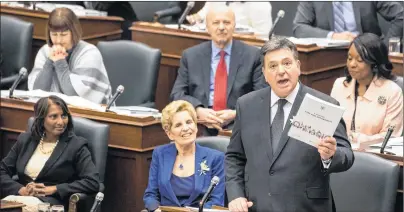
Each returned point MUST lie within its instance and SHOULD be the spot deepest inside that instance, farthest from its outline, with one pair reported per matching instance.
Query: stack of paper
(240, 29)
(35, 95)
(394, 145)
(77, 9)
(136, 111)
(322, 42)
(390, 143)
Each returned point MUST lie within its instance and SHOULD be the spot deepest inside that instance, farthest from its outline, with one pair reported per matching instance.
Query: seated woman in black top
(50, 160)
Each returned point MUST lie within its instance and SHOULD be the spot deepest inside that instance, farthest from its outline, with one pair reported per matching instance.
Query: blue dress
(183, 188)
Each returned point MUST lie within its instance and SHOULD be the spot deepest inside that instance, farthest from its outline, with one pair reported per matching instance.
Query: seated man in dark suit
(214, 74)
(345, 20)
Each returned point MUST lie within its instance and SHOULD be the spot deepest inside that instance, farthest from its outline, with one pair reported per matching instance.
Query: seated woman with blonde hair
(373, 102)
(181, 172)
(67, 64)
(51, 162)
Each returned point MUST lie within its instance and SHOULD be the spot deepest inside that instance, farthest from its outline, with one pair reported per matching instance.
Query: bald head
(220, 23)
(223, 10)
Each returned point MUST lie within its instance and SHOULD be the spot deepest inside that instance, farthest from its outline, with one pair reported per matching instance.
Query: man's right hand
(240, 204)
(208, 116)
(343, 36)
(194, 19)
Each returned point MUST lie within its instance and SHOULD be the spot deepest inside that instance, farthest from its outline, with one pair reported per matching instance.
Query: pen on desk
(386, 138)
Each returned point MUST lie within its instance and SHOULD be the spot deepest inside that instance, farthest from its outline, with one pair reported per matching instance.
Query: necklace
(42, 149)
(181, 166)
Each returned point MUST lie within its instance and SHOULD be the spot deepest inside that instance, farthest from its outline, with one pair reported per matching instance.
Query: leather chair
(164, 12)
(370, 185)
(16, 44)
(97, 135)
(219, 143)
(135, 66)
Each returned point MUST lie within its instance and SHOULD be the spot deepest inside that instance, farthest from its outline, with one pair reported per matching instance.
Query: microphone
(23, 72)
(97, 202)
(118, 92)
(188, 9)
(386, 138)
(213, 183)
(280, 15)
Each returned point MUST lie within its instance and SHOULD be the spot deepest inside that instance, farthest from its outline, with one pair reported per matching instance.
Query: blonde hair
(175, 107)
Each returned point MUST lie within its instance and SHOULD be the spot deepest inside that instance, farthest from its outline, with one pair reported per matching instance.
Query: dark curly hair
(41, 109)
(375, 53)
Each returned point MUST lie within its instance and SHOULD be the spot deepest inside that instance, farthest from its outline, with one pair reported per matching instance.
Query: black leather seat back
(16, 45)
(370, 185)
(145, 10)
(133, 65)
(219, 143)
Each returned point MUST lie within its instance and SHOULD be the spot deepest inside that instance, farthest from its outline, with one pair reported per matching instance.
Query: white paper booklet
(314, 120)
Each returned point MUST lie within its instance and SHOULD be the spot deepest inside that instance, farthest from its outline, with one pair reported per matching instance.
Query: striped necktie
(339, 23)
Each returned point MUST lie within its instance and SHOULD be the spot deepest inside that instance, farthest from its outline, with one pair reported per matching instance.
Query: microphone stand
(386, 138)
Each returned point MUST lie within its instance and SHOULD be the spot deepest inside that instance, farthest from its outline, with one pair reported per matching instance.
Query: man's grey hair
(276, 43)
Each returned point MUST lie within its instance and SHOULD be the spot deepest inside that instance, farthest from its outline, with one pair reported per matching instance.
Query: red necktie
(219, 98)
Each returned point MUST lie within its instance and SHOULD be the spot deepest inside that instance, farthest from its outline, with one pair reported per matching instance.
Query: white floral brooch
(204, 168)
(381, 100)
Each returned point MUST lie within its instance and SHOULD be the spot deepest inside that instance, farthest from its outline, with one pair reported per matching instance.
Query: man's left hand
(227, 116)
(327, 147)
(41, 190)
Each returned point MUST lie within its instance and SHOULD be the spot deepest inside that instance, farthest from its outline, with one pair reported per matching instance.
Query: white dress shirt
(286, 110)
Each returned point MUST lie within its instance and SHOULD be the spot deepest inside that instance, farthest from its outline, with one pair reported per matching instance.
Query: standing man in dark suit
(265, 168)
(345, 20)
(214, 74)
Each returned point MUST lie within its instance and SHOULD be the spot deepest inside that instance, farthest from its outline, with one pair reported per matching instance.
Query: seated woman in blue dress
(181, 172)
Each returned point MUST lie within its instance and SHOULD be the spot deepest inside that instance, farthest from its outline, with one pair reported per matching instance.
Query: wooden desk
(319, 67)
(94, 28)
(131, 143)
(7, 206)
(397, 61)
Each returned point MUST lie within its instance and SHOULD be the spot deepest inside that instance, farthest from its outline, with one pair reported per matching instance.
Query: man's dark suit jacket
(70, 168)
(316, 19)
(293, 178)
(193, 80)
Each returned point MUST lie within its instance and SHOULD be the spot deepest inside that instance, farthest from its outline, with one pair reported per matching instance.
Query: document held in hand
(315, 119)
